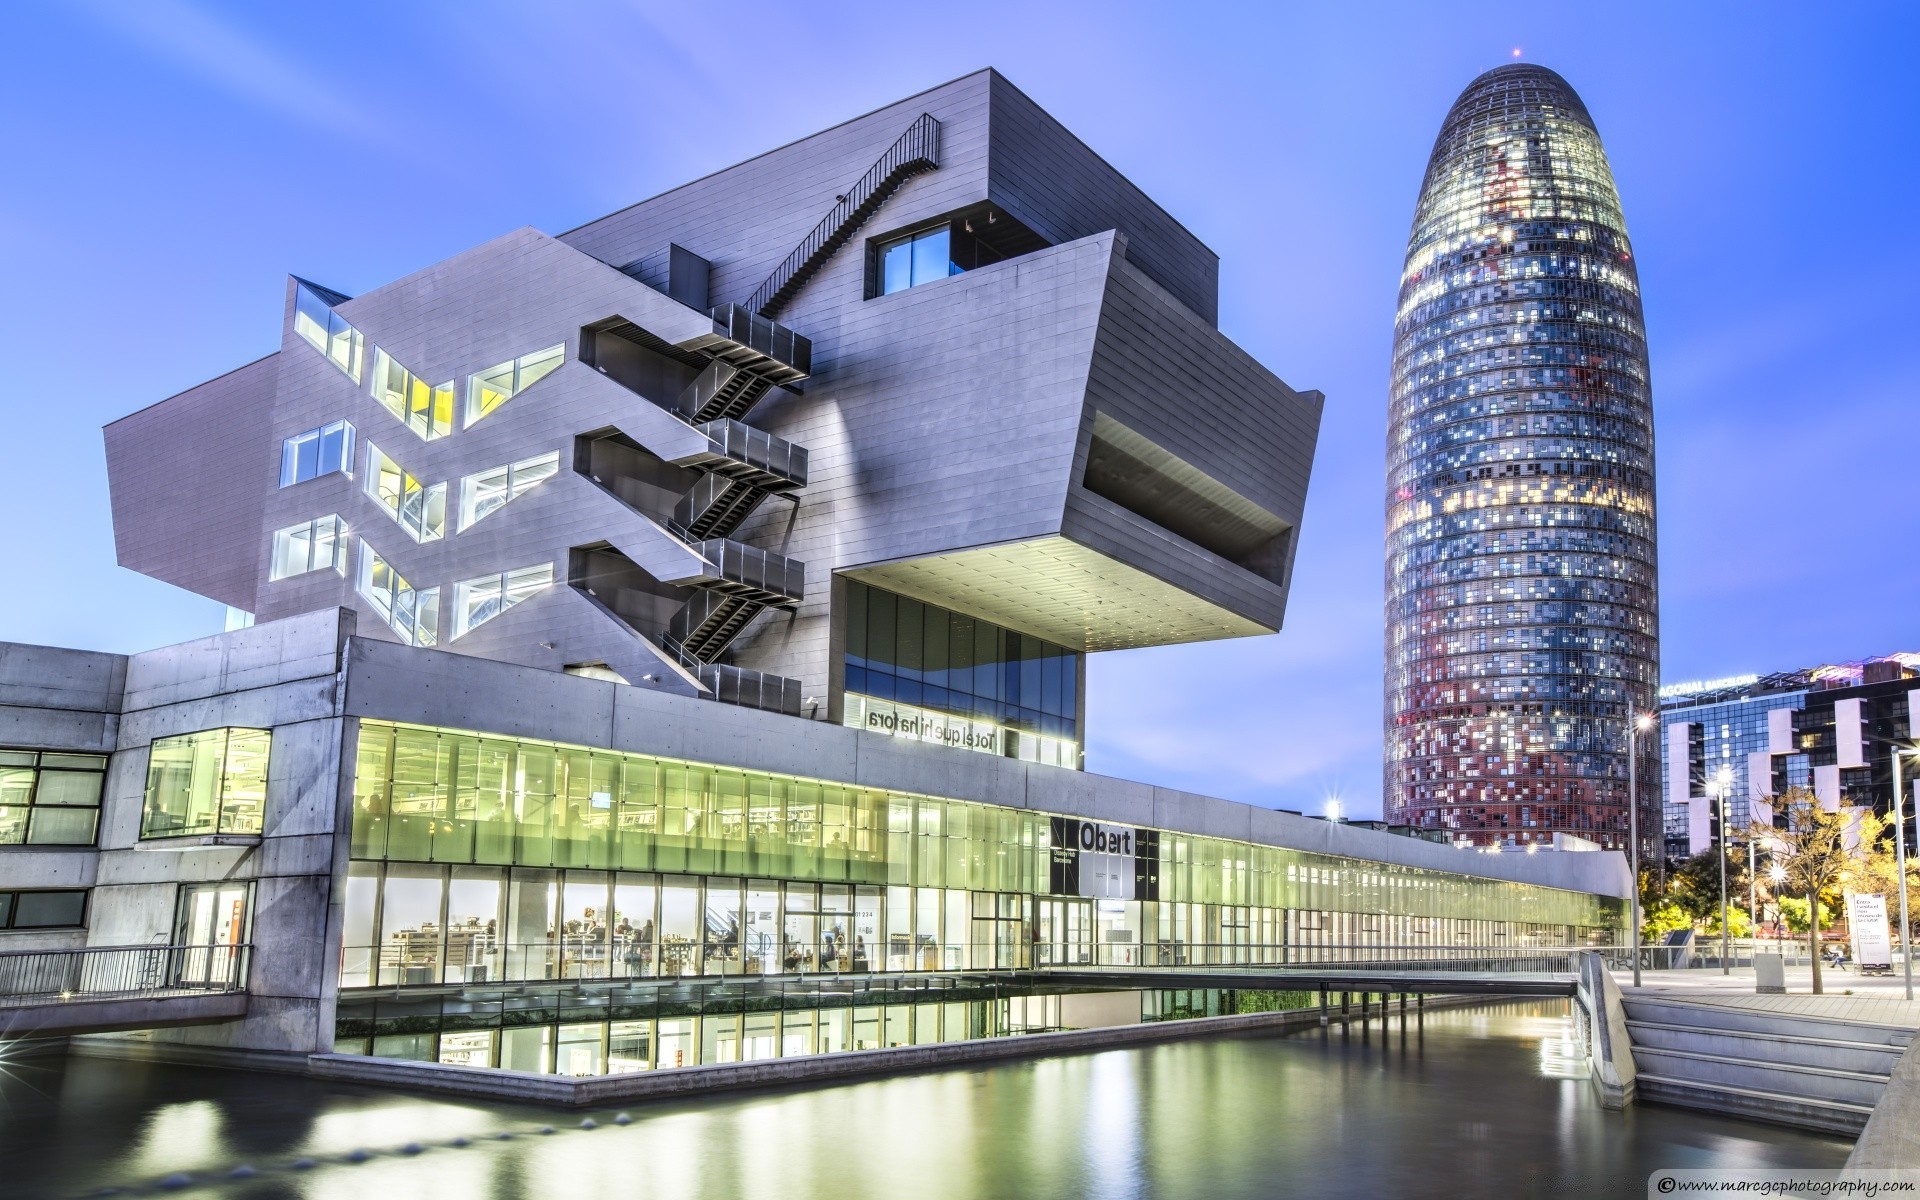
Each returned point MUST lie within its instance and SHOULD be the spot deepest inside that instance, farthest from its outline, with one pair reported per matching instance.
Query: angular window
(64, 909)
(311, 546)
(50, 799)
(423, 408)
(420, 510)
(477, 601)
(915, 259)
(315, 453)
(484, 491)
(489, 389)
(415, 616)
(328, 331)
(210, 782)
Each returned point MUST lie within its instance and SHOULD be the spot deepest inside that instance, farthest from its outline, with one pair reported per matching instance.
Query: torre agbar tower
(1522, 619)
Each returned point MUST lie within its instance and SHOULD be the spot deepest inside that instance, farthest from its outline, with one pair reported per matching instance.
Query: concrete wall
(283, 676)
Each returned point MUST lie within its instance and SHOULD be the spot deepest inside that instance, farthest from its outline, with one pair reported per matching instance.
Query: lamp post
(1723, 787)
(1641, 721)
(1900, 848)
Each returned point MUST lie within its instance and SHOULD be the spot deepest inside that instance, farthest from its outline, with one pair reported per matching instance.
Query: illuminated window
(420, 510)
(485, 491)
(328, 331)
(427, 410)
(50, 799)
(312, 546)
(315, 453)
(415, 616)
(489, 389)
(477, 601)
(214, 781)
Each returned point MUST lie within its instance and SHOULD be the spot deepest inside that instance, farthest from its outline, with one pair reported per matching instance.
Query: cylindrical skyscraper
(1522, 619)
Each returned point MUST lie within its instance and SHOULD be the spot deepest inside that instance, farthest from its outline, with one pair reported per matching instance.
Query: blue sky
(169, 162)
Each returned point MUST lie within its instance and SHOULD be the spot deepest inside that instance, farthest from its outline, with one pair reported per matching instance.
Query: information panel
(1108, 862)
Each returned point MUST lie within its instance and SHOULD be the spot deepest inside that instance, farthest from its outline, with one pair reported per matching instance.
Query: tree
(1793, 912)
(1815, 852)
(1879, 875)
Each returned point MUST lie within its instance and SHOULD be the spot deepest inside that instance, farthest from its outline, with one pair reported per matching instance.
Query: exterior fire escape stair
(915, 151)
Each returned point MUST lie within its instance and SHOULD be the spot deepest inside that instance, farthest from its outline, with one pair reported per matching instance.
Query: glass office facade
(922, 671)
(1521, 614)
(479, 859)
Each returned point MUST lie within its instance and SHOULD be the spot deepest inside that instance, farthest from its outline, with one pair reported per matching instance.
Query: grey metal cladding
(748, 217)
(185, 478)
(1051, 180)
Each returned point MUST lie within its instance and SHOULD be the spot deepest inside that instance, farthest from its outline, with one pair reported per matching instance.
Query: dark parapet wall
(187, 476)
(1522, 616)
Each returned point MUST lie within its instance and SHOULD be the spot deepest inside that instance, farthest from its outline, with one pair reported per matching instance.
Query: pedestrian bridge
(55, 993)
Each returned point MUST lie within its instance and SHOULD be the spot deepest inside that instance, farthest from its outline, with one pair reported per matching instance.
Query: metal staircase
(916, 150)
(739, 466)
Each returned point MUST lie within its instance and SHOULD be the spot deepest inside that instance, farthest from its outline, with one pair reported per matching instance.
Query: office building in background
(1829, 730)
(1522, 617)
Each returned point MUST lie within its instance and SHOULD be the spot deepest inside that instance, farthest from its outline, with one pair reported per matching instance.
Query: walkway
(1875, 1000)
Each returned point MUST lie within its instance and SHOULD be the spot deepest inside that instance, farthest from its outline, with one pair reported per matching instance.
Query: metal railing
(916, 150)
(481, 960)
(35, 977)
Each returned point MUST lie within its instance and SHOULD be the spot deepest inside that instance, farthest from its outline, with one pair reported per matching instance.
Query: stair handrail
(916, 150)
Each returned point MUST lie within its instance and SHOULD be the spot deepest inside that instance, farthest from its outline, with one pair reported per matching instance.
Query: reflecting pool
(1481, 1101)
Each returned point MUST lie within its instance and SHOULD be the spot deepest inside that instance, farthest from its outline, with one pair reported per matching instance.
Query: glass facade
(479, 859)
(489, 389)
(1520, 575)
(328, 332)
(214, 781)
(424, 408)
(50, 799)
(316, 452)
(913, 667)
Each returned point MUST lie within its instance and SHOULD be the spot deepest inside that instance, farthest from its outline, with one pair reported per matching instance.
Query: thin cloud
(222, 56)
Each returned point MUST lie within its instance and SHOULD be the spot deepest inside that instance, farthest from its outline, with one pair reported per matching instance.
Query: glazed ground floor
(614, 1030)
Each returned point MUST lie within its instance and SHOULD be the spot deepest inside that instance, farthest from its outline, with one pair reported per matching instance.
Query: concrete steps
(1808, 1072)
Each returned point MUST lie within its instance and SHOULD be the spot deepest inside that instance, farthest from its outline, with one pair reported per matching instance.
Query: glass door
(212, 930)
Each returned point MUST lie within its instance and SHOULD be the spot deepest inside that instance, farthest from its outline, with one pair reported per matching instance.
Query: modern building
(463, 793)
(890, 426)
(1522, 619)
(417, 854)
(1829, 730)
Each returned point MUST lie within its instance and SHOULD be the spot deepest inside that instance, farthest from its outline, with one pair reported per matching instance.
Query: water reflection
(1382, 1108)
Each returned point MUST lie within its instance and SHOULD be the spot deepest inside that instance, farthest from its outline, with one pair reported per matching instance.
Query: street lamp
(1900, 848)
(1640, 723)
(1723, 787)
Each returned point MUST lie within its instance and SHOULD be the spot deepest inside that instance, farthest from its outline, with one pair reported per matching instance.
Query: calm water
(1470, 1105)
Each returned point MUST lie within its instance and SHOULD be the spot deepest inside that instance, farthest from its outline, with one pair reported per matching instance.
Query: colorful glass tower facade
(1522, 616)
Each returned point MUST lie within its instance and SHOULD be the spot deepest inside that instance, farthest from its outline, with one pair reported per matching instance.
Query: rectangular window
(489, 389)
(210, 782)
(50, 799)
(328, 332)
(313, 546)
(415, 507)
(316, 452)
(424, 408)
(484, 491)
(415, 616)
(915, 259)
(477, 601)
(64, 909)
